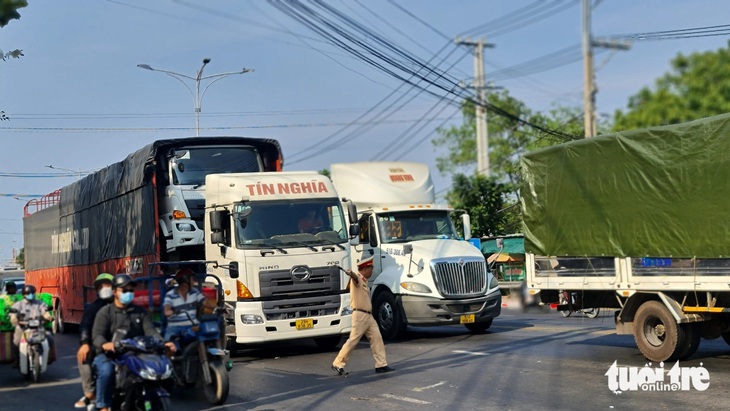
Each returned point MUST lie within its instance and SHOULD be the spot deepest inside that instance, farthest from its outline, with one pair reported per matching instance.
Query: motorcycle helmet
(29, 289)
(103, 277)
(120, 280)
(183, 275)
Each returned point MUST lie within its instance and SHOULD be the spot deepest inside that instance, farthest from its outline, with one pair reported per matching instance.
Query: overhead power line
(707, 31)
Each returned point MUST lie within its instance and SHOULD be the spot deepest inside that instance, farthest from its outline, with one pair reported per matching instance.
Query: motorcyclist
(86, 353)
(181, 303)
(121, 317)
(29, 308)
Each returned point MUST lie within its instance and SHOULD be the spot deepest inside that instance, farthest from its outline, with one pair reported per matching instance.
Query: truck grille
(462, 278)
(287, 298)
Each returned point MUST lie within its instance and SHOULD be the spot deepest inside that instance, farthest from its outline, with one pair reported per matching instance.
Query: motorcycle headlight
(148, 374)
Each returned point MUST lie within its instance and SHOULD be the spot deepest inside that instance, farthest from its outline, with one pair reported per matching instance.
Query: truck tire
(692, 338)
(657, 334)
(388, 316)
(57, 325)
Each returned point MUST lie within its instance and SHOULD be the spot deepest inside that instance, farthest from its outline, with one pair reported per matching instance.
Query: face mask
(127, 297)
(30, 297)
(106, 293)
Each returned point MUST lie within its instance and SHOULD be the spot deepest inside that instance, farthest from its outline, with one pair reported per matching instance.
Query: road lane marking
(406, 399)
(470, 352)
(419, 389)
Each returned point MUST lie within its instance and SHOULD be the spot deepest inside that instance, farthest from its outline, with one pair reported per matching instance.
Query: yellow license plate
(309, 323)
(466, 319)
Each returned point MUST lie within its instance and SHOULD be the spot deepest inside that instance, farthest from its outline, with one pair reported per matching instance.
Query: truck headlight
(251, 319)
(185, 227)
(346, 311)
(493, 282)
(415, 287)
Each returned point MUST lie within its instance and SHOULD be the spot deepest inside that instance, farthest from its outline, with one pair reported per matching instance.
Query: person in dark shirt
(119, 317)
(86, 353)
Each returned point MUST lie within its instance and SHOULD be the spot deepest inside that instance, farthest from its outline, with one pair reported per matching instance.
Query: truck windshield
(288, 223)
(190, 165)
(403, 226)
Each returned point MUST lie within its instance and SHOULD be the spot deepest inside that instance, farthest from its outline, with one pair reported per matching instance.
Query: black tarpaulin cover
(110, 213)
(661, 192)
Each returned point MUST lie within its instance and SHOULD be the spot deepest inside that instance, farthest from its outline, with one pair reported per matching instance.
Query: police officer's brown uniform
(363, 322)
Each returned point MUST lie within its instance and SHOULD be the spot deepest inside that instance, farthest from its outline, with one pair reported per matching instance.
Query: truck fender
(626, 315)
(379, 289)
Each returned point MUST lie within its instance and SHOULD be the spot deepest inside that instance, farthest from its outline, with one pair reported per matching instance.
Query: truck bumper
(434, 311)
(247, 332)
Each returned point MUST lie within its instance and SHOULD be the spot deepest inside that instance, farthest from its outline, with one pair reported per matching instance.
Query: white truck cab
(281, 241)
(423, 273)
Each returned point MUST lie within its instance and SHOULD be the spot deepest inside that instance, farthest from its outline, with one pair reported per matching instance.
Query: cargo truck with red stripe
(148, 207)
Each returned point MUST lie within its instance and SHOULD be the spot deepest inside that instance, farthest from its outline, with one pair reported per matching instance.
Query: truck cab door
(370, 244)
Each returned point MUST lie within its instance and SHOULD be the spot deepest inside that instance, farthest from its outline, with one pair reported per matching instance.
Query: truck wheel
(657, 334)
(388, 316)
(58, 325)
(329, 342)
(478, 328)
(692, 338)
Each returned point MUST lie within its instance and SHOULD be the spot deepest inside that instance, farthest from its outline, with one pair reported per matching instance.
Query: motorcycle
(33, 348)
(201, 355)
(141, 371)
(570, 299)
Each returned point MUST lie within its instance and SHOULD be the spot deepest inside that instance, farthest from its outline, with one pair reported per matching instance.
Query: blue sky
(77, 101)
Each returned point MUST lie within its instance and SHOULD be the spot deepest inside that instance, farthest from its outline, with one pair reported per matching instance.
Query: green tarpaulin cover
(660, 192)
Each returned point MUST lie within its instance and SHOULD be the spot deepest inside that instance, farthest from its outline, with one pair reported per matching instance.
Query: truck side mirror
(352, 213)
(354, 230)
(408, 249)
(233, 269)
(219, 223)
(500, 243)
(466, 222)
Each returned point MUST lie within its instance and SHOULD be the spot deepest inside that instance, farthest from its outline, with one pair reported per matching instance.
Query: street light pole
(197, 95)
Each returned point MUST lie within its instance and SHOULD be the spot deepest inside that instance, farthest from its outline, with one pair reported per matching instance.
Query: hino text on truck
(155, 206)
(636, 221)
(423, 273)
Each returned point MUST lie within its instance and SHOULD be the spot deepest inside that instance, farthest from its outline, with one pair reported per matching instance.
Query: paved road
(531, 360)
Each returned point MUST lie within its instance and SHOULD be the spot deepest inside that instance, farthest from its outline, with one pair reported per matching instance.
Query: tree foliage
(9, 10)
(20, 258)
(697, 86)
(485, 200)
(508, 138)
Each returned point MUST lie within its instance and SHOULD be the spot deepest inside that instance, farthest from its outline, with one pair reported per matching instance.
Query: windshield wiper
(299, 243)
(333, 243)
(198, 185)
(283, 251)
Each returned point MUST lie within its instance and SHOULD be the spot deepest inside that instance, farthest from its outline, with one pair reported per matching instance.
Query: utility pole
(589, 82)
(480, 88)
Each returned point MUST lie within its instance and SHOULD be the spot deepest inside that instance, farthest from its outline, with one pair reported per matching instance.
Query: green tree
(485, 200)
(508, 137)
(9, 10)
(20, 258)
(697, 86)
